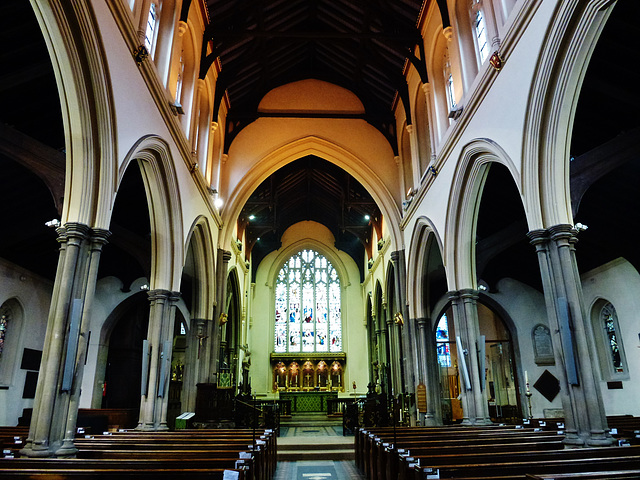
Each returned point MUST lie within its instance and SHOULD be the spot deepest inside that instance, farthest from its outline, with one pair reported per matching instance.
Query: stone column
(428, 370)
(224, 257)
(394, 354)
(159, 337)
(585, 419)
(465, 317)
(59, 381)
(97, 241)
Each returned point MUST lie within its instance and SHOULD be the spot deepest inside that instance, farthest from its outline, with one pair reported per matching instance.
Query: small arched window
(307, 307)
(4, 324)
(609, 322)
(613, 363)
(180, 78)
(443, 342)
(480, 30)
(448, 82)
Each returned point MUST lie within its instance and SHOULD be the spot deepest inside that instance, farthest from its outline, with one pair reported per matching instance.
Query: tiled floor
(317, 470)
(311, 431)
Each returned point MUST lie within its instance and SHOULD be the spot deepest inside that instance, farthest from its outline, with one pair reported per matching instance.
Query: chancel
(364, 228)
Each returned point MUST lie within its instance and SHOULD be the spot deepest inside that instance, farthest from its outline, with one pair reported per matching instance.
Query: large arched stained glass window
(308, 305)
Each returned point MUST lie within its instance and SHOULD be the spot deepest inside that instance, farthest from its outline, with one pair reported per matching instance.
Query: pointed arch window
(4, 324)
(609, 321)
(443, 342)
(307, 307)
(608, 336)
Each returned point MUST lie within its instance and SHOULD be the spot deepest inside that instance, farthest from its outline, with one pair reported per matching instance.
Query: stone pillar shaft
(98, 240)
(55, 404)
(221, 293)
(585, 418)
(465, 317)
(153, 405)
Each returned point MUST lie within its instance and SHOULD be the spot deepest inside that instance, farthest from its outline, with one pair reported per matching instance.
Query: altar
(314, 401)
(316, 373)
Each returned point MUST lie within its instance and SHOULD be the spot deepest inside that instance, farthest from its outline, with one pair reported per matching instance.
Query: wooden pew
(536, 465)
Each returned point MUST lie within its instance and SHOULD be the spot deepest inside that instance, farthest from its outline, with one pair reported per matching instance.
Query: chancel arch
(326, 150)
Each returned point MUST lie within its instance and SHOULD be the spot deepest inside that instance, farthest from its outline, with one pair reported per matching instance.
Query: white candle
(526, 377)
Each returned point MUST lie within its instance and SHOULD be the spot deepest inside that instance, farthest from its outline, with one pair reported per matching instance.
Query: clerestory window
(480, 30)
(152, 23)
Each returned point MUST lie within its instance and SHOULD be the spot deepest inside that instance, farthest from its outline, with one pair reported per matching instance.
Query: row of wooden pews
(487, 452)
(12, 439)
(194, 454)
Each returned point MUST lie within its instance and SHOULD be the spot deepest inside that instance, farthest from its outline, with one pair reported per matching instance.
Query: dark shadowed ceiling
(359, 45)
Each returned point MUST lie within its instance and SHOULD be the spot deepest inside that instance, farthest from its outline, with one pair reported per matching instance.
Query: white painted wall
(33, 293)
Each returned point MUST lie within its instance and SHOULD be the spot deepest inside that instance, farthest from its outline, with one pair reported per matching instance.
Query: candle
(526, 377)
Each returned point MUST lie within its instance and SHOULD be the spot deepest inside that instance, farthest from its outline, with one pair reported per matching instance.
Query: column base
(37, 451)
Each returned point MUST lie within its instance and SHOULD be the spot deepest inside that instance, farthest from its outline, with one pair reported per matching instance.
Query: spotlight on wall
(144, 287)
(176, 108)
(55, 223)
(218, 203)
(580, 227)
(367, 218)
(455, 113)
(252, 217)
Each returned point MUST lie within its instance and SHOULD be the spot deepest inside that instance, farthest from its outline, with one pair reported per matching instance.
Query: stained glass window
(442, 342)
(609, 320)
(307, 307)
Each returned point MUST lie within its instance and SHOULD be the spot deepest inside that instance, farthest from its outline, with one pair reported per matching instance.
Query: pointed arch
(309, 243)
(569, 43)
(422, 238)
(462, 211)
(200, 240)
(78, 58)
(163, 198)
(313, 145)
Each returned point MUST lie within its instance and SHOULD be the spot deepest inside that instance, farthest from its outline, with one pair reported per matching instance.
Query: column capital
(538, 236)
(422, 322)
(226, 256)
(159, 294)
(182, 28)
(99, 238)
(75, 230)
(395, 256)
(448, 33)
(563, 232)
(469, 294)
